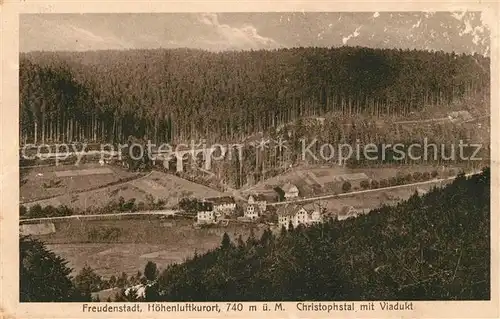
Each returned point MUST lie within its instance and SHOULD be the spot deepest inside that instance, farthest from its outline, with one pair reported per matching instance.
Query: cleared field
(112, 259)
(96, 198)
(51, 181)
(375, 199)
(313, 181)
(175, 188)
(157, 184)
(136, 242)
(149, 186)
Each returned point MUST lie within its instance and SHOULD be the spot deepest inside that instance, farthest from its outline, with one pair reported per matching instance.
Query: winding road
(302, 200)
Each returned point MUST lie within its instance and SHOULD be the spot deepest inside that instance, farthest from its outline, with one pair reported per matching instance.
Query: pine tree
(226, 242)
(44, 277)
(150, 271)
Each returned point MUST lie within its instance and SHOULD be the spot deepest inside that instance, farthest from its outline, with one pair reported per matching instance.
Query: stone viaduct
(182, 155)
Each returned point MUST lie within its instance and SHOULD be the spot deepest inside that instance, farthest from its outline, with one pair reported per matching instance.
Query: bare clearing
(377, 199)
(52, 181)
(159, 185)
(175, 188)
(137, 242)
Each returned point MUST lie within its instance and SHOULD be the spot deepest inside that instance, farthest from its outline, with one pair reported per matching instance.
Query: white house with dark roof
(291, 191)
(222, 204)
(298, 214)
(206, 216)
(347, 212)
(258, 199)
(252, 211)
(351, 212)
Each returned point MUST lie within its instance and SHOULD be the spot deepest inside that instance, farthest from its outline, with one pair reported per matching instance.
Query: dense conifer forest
(182, 94)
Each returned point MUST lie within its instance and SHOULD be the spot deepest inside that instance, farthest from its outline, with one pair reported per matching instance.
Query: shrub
(384, 183)
(393, 181)
(408, 178)
(417, 176)
(346, 187)
(35, 211)
(400, 180)
(23, 211)
(364, 184)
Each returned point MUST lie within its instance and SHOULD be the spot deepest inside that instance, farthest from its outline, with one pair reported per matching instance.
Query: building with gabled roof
(252, 211)
(222, 204)
(258, 199)
(290, 191)
(347, 212)
(205, 216)
(298, 214)
(351, 212)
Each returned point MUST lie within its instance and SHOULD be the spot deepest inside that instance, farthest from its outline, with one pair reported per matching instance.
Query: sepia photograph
(321, 158)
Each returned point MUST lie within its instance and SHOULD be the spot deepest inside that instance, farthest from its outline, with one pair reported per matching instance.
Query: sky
(462, 32)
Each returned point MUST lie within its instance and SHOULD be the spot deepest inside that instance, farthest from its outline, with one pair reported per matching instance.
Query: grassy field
(114, 246)
(173, 188)
(315, 181)
(375, 199)
(42, 182)
(157, 185)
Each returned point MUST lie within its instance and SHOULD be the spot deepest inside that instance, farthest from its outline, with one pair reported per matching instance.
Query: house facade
(296, 215)
(206, 217)
(222, 204)
(252, 211)
(351, 212)
(291, 191)
(259, 200)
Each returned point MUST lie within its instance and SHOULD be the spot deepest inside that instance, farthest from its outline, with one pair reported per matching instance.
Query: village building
(421, 191)
(351, 212)
(460, 116)
(347, 212)
(252, 211)
(290, 191)
(259, 200)
(354, 179)
(298, 214)
(222, 204)
(206, 216)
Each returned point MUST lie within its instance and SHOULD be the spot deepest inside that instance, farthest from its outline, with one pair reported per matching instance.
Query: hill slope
(183, 94)
(435, 247)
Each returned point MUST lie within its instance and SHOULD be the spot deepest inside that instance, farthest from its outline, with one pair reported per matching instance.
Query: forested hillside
(435, 247)
(181, 94)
